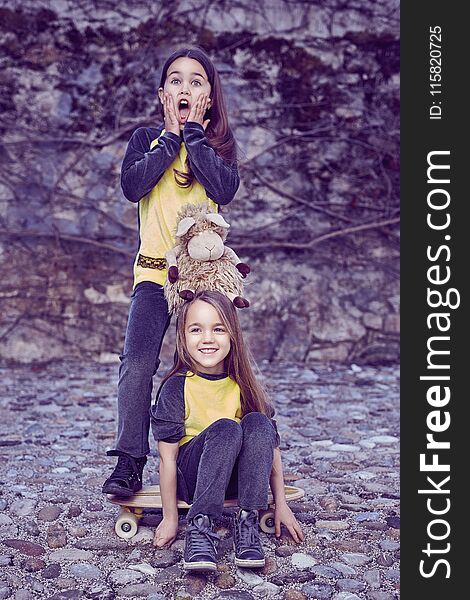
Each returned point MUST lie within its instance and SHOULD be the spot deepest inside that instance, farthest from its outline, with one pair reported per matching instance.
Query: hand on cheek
(198, 110)
(171, 120)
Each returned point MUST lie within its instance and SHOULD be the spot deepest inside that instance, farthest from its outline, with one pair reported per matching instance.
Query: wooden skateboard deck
(149, 497)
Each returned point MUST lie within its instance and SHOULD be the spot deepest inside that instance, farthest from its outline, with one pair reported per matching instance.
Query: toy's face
(206, 246)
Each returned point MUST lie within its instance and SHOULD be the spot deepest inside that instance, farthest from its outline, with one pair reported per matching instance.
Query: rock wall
(312, 90)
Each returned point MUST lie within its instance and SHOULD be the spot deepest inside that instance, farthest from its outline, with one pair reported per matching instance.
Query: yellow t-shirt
(207, 401)
(158, 212)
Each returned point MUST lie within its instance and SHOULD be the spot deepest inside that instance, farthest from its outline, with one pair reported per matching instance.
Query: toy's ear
(218, 220)
(184, 226)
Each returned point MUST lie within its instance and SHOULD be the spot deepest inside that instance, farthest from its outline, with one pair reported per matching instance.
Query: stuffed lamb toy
(201, 261)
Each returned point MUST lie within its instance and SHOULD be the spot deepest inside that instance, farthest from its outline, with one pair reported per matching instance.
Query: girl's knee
(258, 424)
(227, 427)
(256, 419)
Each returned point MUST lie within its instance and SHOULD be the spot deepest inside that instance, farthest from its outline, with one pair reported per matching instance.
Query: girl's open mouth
(207, 350)
(184, 109)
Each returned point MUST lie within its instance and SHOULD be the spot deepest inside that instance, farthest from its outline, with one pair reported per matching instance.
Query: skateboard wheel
(266, 522)
(126, 525)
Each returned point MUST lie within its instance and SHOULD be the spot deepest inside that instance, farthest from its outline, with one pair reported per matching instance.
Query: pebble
(68, 595)
(32, 528)
(8, 527)
(145, 534)
(343, 448)
(303, 561)
(266, 589)
(100, 592)
(140, 590)
(372, 577)
(384, 439)
(23, 507)
(318, 591)
(384, 560)
(356, 560)
(393, 522)
(327, 572)
(56, 536)
(164, 558)
(393, 574)
(292, 594)
(225, 581)
(333, 525)
(143, 568)
(234, 595)
(125, 576)
(71, 554)
(270, 566)
(249, 577)
(23, 595)
(74, 511)
(284, 551)
(52, 571)
(346, 596)
(25, 547)
(104, 543)
(194, 584)
(293, 577)
(169, 574)
(79, 532)
(351, 545)
(389, 545)
(366, 516)
(33, 564)
(5, 560)
(350, 585)
(85, 570)
(49, 513)
(5, 591)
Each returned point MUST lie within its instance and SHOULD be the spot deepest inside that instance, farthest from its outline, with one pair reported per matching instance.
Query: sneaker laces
(200, 537)
(126, 466)
(246, 530)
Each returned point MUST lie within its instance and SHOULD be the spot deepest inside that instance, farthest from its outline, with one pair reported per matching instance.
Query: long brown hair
(239, 363)
(218, 132)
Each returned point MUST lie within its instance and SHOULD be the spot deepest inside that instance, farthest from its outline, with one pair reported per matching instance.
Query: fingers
(160, 541)
(198, 110)
(296, 532)
(293, 528)
(277, 526)
(169, 108)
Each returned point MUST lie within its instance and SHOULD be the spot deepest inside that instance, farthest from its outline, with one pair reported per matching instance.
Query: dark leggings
(227, 459)
(146, 326)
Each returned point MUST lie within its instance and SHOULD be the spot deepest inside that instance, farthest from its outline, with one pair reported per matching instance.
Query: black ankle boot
(126, 479)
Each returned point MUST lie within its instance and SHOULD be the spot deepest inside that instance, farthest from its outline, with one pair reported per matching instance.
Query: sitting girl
(216, 438)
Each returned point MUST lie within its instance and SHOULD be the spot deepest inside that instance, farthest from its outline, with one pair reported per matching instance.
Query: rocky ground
(339, 429)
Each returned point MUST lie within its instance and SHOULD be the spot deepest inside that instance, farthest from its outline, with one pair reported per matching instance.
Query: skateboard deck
(132, 508)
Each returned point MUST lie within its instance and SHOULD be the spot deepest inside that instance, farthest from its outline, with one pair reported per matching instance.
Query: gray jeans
(146, 327)
(227, 459)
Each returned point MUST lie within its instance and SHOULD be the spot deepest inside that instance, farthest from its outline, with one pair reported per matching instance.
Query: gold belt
(151, 263)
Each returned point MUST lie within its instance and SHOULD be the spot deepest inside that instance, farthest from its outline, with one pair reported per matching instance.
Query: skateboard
(132, 508)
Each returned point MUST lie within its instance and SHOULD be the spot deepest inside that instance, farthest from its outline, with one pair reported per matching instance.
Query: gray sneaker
(200, 551)
(248, 550)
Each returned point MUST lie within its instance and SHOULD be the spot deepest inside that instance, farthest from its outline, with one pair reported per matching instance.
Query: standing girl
(216, 438)
(192, 158)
